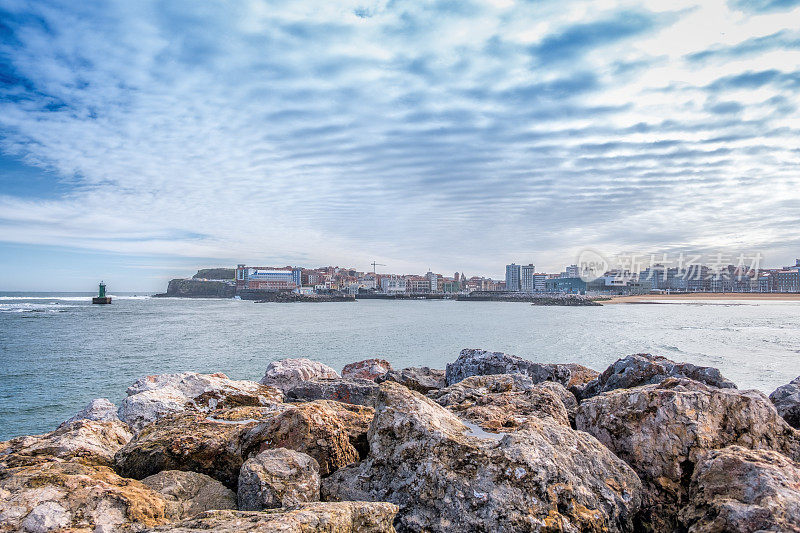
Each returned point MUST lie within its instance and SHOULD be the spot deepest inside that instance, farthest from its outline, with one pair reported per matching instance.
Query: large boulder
(348, 390)
(502, 402)
(99, 409)
(546, 477)
(314, 428)
(278, 478)
(662, 429)
(287, 373)
(737, 490)
(421, 379)
(185, 441)
(646, 369)
(579, 376)
(367, 369)
(190, 493)
(473, 362)
(153, 397)
(92, 441)
(74, 496)
(787, 401)
(333, 517)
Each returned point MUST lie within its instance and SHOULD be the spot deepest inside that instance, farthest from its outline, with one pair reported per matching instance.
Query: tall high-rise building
(512, 277)
(527, 282)
(572, 271)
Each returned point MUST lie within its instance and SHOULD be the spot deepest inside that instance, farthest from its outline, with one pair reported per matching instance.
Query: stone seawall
(493, 443)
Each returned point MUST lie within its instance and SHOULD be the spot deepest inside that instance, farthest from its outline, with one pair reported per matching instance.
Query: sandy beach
(701, 296)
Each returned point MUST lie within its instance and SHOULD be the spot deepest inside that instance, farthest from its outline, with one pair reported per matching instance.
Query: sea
(58, 351)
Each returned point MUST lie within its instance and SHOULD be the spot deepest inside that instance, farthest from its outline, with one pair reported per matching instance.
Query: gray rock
(46, 516)
(736, 490)
(278, 478)
(153, 397)
(504, 402)
(662, 429)
(99, 409)
(421, 379)
(287, 373)
(190, 493)
(355, 391)
(332, 517)
(646, 369)
(787, 401)
(473, 362)
(444, 478)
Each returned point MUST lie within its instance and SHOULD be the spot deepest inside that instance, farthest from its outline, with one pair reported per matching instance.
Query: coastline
(705, 296)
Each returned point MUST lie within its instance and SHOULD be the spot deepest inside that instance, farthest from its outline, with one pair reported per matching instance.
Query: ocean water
(57, 351)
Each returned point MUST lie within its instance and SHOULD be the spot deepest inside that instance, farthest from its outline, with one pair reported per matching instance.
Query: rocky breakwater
(494, 443)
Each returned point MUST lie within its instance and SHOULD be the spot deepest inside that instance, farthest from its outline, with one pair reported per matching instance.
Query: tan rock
(92, 441)
(333, 517)
(185, 441)
(76, 497)
(314, 428)
(662, 429)
(546, 477)
(190, 493)
(738, 490)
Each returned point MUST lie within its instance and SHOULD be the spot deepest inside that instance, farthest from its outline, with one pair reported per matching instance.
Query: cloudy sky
(141, 140)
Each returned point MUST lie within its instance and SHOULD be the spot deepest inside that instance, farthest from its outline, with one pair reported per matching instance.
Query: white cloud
(426, 135)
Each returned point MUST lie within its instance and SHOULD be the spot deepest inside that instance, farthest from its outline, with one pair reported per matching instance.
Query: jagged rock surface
(738, 490)
(786, 399)
(502, 402)
(77, 497)
(646, 369)
(661, 429)
(315, 428)
(154, 397)
(421, 379)
(332, 517)
(367, 369)
(473, 362)
(99, 409)
(278, 478)
(93, 441)
(190, 493)
(287, 373)
(347, 390)
(185, 441)
(546, 477)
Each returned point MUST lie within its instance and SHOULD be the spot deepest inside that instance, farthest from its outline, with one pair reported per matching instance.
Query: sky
(140, 140)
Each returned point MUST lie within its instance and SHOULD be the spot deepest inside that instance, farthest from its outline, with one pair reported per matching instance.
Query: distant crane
(374, 264)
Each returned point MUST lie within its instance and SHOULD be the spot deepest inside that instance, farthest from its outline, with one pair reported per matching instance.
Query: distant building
(433, 281)
(526, 278)
(393, 284)
(568, 285)
(512, 277)
(572, 271)
(268, 278)
(539, 282)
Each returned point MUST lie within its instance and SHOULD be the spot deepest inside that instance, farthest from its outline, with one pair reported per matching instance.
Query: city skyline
(140, 141)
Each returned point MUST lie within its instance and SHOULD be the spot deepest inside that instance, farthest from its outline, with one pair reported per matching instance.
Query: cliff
(192, 288)
(215, 273)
